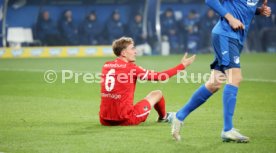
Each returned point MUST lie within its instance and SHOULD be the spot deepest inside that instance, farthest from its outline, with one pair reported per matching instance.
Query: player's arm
(217, 7)
(263, 10)
(164, 75)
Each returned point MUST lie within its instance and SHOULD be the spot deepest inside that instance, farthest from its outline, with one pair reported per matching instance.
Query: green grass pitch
(38, 117)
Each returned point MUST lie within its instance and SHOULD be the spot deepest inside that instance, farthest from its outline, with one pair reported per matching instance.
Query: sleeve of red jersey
(158, 76)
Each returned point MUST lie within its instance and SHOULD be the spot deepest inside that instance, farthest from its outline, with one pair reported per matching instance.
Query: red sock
(161, 108)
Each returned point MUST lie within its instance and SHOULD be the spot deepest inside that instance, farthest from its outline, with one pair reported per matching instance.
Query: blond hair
(120, 44)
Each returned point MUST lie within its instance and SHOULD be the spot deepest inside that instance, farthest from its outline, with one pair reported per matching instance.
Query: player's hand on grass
(234, 23)
(187, 61)
(264, 9)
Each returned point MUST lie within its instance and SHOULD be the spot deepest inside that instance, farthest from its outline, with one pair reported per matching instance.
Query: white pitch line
(41, 70)
(259, 80)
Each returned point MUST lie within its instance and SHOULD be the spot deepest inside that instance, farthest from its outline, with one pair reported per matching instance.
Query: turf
(38, 117)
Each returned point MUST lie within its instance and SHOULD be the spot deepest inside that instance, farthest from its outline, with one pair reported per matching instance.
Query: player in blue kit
(228, 37)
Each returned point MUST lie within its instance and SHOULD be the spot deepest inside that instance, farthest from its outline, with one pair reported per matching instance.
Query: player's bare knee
(159, 93)
(236, 81)
(154, 96)
(216, 87)
(156, 93)
(213, 86)
(239, 79)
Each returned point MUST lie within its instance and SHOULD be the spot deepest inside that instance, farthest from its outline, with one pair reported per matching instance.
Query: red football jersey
(118, 83)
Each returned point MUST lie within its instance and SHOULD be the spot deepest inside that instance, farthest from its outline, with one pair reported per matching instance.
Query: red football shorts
(139, 114)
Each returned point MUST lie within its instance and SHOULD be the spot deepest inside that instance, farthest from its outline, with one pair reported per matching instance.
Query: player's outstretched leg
(229, 133)
(197, 99)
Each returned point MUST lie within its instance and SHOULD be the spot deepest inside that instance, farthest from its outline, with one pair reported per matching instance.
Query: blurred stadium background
(76, 28)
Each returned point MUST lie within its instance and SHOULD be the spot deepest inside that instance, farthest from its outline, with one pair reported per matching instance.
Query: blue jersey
(244, 10)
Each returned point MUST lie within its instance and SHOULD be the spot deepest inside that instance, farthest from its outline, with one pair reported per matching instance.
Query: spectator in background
(191, 28)
(266, 22)
(90, 30)
(135, 30)
(169, 28)
(207, 23)
(253, 39)
(115, 27)
(46, 30)
(266, 25)
(68, 29)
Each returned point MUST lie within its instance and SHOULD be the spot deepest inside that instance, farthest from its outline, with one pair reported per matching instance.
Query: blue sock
(198, 98)
(229, 103)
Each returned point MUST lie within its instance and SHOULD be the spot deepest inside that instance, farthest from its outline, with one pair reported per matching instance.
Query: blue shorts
(227, 53)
